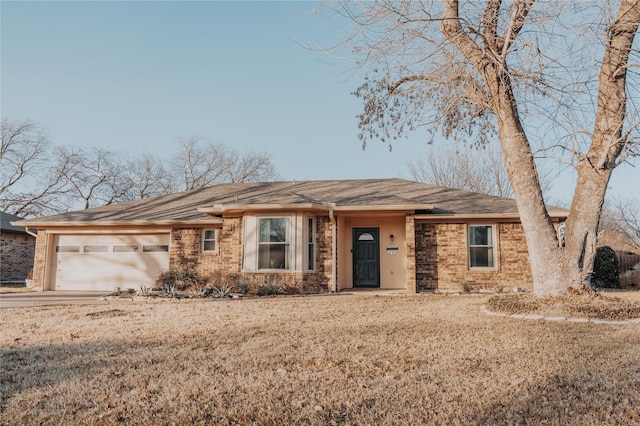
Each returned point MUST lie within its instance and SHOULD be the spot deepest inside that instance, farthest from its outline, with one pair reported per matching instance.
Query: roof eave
(479, 216)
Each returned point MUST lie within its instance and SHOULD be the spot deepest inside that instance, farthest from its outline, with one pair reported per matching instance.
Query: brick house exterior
(17, 249)
(316, 236)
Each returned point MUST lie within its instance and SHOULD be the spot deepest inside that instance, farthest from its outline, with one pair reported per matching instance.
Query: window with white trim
(310, 239)
(209, 241)
(273, 243)
(481, 246)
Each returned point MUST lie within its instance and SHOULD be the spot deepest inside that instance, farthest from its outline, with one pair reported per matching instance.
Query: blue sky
(133, 77)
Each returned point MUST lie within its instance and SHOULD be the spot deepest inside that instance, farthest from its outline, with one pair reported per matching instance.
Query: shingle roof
(5, 223)
(366, 193)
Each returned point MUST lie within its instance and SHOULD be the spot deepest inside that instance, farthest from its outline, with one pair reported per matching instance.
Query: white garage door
(106, 262)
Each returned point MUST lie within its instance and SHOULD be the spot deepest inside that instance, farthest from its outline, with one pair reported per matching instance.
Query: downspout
(28, 231)
(334, 249)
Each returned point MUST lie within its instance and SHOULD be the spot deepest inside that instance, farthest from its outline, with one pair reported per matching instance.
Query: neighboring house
(317, 235)
(17, 248)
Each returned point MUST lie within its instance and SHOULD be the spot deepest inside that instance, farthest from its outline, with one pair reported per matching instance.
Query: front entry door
(366, 257)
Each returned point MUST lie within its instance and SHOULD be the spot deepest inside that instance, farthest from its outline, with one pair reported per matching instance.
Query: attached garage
(107, 262)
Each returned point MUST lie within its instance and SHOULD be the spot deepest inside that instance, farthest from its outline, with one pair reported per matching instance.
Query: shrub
(269, 289)
(606, 273)
(181, 279)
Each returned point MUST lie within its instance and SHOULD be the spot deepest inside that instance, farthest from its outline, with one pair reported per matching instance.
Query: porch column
(410, 235)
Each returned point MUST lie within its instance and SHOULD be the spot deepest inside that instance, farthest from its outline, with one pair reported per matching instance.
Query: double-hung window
(209, 241)
(481, 246)
(273, 243)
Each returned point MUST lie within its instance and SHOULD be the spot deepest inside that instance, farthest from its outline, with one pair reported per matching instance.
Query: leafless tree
(94, 177)
(201, 163)
(469, 68)
(146, 176)
(468, 169)
(27, 188)
(620, 224)
(252, 166)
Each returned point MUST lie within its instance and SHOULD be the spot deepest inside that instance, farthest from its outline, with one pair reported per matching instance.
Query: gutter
(30, 232)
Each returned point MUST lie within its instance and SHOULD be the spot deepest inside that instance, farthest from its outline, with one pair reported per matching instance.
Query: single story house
(17, 248)
(318, 235)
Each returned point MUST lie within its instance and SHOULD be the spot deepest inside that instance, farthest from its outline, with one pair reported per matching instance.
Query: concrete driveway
(40, 298)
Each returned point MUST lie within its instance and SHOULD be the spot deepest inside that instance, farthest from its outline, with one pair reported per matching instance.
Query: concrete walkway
(40, 298)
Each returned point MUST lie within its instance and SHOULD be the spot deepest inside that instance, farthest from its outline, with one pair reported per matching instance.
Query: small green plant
(144, 290)
(169, 290)
(222, 291)
(466, 288)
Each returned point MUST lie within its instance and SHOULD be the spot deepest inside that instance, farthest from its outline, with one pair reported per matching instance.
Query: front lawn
(346, 359)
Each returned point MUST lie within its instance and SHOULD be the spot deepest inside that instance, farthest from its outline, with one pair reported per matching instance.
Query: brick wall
(216, 267)
(441, 259)
(16, 255)
(225, 266)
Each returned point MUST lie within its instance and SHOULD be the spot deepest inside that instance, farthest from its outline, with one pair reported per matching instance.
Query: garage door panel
(105, 262)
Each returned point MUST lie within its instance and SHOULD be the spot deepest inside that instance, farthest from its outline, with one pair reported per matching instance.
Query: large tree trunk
(607, 142)
(554, 268)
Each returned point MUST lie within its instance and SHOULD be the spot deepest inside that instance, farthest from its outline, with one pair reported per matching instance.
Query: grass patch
(573, 304)
(346, 359)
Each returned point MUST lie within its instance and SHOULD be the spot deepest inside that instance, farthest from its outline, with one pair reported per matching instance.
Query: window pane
(274, 230)
(209, 245)
(481, 257)
(125, 249)
(310, 261)
(310, 231)
(366, 237)
(154, 248)
(210, 234)
(96, 249)
(480, 235)
(68, 249)
(273, 256)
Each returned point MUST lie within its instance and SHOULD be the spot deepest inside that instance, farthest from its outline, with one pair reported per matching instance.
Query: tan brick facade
(225, 266)
(39, 262)
(441, 259)
(16, 255)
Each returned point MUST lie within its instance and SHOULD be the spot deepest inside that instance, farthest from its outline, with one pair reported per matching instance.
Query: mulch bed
(588, 304)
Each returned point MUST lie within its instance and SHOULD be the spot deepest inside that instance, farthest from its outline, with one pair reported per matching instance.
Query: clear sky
(135, 76)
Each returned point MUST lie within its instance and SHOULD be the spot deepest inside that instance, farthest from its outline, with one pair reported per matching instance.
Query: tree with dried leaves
(527, 70)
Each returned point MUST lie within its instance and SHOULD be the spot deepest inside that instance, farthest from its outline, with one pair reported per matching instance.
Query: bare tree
(620, 225)
(468, 68)
(201, 163)
(146, 176)
(27, 188)
(466, 169)
(94, 177)
(250, 167)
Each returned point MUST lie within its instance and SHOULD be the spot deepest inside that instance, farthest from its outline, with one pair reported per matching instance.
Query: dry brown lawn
(348, 359)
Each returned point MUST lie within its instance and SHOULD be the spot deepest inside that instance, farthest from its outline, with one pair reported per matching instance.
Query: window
(96, 249)
(151, 248)
(273, 243)
(311, 244)
(209, 241)
(481, 246)
(68, 249)
(130, 248)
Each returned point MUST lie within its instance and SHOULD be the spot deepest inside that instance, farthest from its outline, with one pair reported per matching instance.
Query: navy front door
(366, 257)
